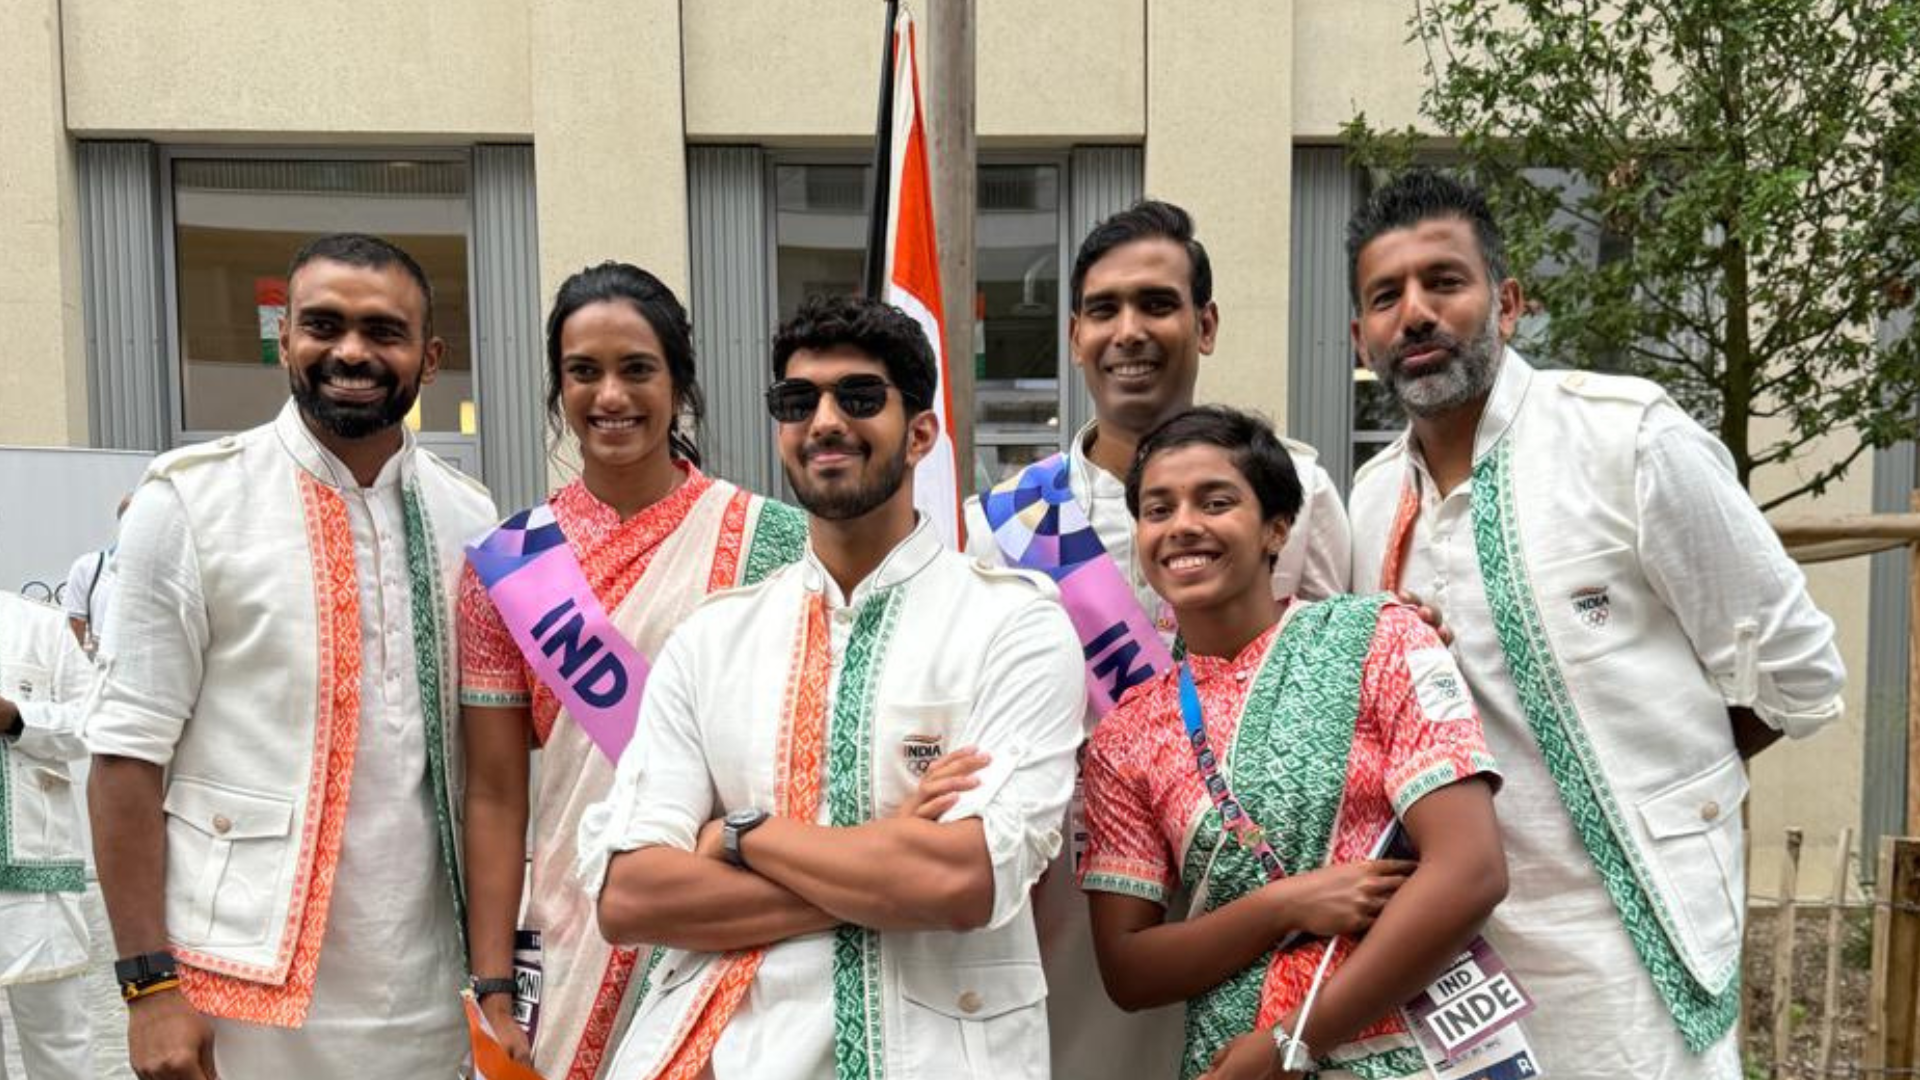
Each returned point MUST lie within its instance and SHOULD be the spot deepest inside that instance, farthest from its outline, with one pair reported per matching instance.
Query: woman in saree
(646, 535)
(1306, 734)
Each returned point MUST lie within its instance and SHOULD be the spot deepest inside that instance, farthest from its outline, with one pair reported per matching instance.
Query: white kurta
(90, 590)
(386, 995)
(1557, 928)
(973, 661)
(43, 935)
(1091, 1035)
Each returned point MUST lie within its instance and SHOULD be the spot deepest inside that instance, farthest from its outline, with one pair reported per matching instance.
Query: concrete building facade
(159, 160)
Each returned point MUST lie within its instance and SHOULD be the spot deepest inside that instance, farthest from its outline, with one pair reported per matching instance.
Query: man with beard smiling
(273, 736)
(1143, 315)
(826, 909)
(1628, 623)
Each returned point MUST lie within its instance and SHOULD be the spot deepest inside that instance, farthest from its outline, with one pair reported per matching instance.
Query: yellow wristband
(135, 993)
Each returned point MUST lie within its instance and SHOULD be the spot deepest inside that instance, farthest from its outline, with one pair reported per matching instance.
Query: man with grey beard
(1630, 627)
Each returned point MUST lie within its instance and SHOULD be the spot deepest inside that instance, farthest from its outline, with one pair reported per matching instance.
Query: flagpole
(874, 271)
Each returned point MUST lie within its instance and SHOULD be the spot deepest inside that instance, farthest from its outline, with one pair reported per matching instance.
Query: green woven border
(1288, 766)
(1125, 886)
(858, 1028)
(1702, 1016)
(43, 877)
(432, 663)
(779, 538)
(495, 699)
(55, 875)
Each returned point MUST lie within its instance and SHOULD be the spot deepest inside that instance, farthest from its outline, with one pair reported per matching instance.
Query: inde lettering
(601, 685)
(1476, 1011)
(1116, 668)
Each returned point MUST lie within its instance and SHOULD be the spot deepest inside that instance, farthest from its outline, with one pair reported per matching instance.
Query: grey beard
(1468, 377)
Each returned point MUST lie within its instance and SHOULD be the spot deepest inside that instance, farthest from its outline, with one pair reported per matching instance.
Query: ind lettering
(604, 684)
(567, 637)
(1117, 669)
(1453, 982)
(1107, 637)
(546, 621)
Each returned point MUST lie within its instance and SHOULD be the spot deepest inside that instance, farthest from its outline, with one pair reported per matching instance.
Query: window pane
(1374, 407)
(237, 223)
(994, 463)
(820, 234)
(819, 231)
(1016, 361)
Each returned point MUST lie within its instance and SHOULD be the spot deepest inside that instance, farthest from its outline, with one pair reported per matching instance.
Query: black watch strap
(142, 971)
(486, 988)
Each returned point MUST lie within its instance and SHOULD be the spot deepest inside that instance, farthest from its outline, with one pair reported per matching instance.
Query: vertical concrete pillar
(610, 158)
(43, 361)
(1219, 142)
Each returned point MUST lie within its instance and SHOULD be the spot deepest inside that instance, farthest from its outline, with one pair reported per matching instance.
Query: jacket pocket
(227, 861)
(929, 729)
(49, 798)
(1591, 604)
(1695, 830)
(976, 1021)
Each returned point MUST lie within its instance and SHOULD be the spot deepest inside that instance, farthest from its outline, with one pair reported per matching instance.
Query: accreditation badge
(526, 981)
(1467, 1021)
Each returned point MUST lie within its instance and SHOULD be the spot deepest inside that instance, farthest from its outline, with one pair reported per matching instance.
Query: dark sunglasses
(860, 397)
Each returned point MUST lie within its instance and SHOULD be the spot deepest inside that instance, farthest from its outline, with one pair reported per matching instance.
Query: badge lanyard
(1232, 815)
(1247, 834)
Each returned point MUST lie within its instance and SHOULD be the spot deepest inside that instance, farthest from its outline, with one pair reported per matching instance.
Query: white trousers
(50, 1019)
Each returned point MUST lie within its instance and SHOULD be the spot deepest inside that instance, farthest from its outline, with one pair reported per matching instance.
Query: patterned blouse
(1417, 731)
(612, 554)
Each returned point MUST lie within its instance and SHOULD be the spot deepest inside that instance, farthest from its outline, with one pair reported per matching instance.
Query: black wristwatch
(733, 827)
(137, 973)
(486, 988)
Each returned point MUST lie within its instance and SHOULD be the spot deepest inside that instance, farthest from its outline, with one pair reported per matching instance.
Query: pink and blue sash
(562, 630)
(1037, 525)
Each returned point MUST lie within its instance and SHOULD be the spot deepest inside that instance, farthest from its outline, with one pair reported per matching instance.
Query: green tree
(1754, 167)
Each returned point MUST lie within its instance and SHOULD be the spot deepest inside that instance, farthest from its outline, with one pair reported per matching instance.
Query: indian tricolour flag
(912, 277)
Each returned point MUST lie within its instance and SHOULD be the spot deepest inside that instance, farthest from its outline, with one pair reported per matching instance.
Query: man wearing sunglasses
(1142, 317)
(826, 908)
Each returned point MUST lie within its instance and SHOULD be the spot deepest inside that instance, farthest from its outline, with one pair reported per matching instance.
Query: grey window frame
(775, 158)
(177, 431)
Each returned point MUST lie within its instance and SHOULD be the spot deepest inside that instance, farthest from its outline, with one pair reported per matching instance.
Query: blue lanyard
(1233, 817)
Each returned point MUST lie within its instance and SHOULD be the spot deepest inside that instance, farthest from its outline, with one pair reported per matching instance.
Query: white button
(1710, 811)
(222, 824)
(970, 1002)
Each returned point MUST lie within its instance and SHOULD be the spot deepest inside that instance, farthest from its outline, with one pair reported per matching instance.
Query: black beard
(352, 421)
(863, 497)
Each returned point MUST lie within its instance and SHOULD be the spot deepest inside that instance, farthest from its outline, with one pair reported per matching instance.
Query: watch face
(744, 817)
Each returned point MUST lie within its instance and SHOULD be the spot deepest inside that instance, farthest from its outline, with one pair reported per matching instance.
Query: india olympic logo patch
(1439, 686)
(1592, 605)
(920, 752)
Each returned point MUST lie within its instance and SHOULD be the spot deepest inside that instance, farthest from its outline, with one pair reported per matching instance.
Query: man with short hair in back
(1143, 319)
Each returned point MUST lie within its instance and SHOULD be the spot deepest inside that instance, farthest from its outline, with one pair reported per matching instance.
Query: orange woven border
(803, 744)
(336, 731)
